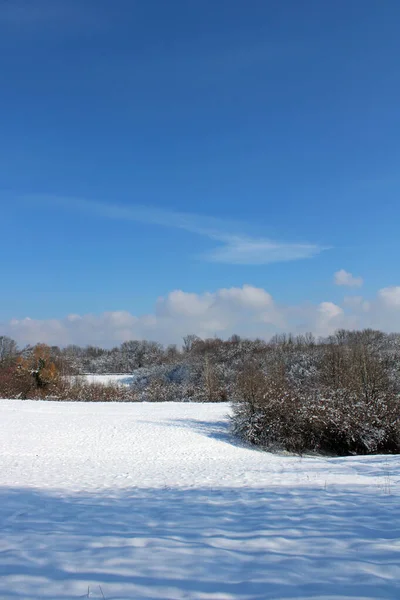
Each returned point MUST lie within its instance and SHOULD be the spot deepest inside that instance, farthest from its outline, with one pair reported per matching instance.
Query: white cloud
(329, 311)
(246, 310)
(344, 278)
(246, 296)
(233, 246)
(183, 304)
(357, 303)
(390, 296)
(329, 318)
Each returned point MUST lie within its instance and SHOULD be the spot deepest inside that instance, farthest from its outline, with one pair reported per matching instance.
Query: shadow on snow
(200, 543)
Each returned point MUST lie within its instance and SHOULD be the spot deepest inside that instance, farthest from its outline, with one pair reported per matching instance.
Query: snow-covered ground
(107, 379)
(135, 501)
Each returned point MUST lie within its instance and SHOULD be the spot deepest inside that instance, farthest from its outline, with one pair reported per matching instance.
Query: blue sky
(147, 147)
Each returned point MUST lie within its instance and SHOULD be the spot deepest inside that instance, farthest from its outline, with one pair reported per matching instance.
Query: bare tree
(8, 348)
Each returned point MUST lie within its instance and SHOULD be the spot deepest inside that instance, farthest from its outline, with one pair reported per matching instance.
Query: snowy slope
(138, 501)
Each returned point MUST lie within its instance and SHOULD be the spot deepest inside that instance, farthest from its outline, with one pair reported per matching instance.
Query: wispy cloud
(233, 246)
(243, 250)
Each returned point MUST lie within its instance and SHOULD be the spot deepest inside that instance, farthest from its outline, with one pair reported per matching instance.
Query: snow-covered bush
(337, 422)
(348, 404)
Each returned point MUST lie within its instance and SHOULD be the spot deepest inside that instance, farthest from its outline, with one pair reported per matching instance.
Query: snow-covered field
(106, 379)
(135, 501)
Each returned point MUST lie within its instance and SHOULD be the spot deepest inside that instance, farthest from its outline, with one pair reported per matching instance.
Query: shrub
(14, 383)
(78, 389)
(351, 407)
(335, 421)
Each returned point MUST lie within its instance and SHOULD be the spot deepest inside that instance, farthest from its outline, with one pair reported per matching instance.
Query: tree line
(339, 395)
